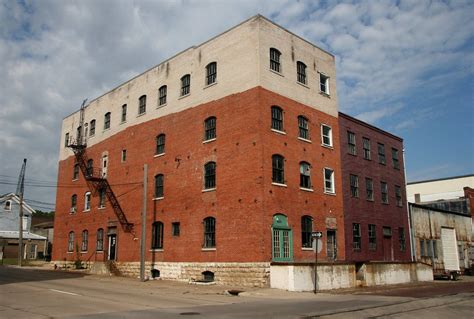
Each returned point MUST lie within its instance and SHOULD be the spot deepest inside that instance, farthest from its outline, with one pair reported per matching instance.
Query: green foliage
(41, 213)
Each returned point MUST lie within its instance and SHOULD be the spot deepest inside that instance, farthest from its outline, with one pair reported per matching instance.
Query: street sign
(317, 234)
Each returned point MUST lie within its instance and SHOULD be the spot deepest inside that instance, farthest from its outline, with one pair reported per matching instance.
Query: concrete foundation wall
(301, 277)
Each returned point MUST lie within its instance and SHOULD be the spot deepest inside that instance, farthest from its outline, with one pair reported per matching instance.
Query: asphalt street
(38, 293)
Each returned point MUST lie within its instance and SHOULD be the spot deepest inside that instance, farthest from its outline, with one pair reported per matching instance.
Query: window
(326, 133)
(354, 182)
(275, 60)
(92, 128)
(107, 121)
(384, 191)
(79, 135)
(351, 142)
(211, 73)
(101, 198)
(157, 235)
(305, 175)
(159, 186)
(85, 240)
(87, 201)
(75, 172)
(356, 238)
(324, 83)
(73, 203)
(369, 188)
(124, 156)
(398, 195)
(70, 242)
(142, 105)
(372, 237)
(301, 72)
(282, 239)
(124, 113)
(162, 92)
(381, 151)
(89, 168)
(66, 140)
(306, 230)
(395, 161)
(175, 229)
(160, 144)
(100, 240)
(303, 127)
(329, 181)
(366, 146)
(210, 175)
(401, 238)
(422, 248)
(278, 169)
(210, 128)
(277, 118)
(209, 232)
(8, 205)
(185, 84)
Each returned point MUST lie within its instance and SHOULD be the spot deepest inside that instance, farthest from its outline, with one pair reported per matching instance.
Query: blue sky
(404, 66)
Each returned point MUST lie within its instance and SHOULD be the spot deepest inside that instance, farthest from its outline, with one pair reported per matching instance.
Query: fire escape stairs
(97, 182)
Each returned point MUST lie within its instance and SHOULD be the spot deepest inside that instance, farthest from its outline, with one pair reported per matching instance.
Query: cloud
(375, 115)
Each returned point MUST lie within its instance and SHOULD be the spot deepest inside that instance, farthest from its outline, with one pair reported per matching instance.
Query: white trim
(327, 92)
(331, 145)
(209, 85)
(183, 96)
(208, 190)
(278, 73)
(9, 206)
(305, 140)
(279, 184)
(158, 198)
(156, 250)
(277, 131)
(306, 189)
(333, 185)
(307, 248)
(159, 155)
(303, 84)
(209, 140)
(208, 249)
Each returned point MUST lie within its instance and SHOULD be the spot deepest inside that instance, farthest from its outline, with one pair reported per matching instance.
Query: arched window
(185, 85)
(157, 235)
(107, 121)
(275, 60)
(73, 203)
(159, 181)
(303, 127)
(142, 104)
(305, 175)
(85, 240)
(70, 242)
(90, 168)
(75, 172)
(211, 73)
(162, 92)
(160, 144)
(277, 118)
(210, 128)
(124, 113)
(209, 232)
(210, 175)
(306, 230)
(92, 128)
(100, 240)
(278, 168)
(8, 205)
(301, 72)
(87, 201)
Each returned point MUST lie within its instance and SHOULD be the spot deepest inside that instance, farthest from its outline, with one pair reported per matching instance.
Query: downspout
(409, 216)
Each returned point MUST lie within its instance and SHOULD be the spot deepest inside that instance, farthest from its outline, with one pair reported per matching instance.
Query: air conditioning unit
(72, 210)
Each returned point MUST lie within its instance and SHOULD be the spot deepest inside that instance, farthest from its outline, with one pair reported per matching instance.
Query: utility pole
(143, 239)
(19, 191)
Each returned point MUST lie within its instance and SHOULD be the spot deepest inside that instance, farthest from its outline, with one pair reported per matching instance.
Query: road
(35, 293)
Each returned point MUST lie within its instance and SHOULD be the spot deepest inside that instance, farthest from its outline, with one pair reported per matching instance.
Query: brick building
(373, 181)
(241, 139)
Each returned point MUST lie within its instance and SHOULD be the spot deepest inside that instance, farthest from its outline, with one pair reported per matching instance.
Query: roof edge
(440, 179)
(373, 127)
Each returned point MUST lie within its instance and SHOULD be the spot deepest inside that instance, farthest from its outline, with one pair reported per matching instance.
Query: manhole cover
(190, 313)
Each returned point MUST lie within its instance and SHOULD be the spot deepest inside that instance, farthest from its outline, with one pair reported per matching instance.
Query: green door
(282, 239)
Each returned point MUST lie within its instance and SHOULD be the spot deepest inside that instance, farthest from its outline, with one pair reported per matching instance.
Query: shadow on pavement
(14, 274)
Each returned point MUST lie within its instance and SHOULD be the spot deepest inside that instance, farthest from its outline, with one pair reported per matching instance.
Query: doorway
(387, 244)
(331, 245)
(112, 255)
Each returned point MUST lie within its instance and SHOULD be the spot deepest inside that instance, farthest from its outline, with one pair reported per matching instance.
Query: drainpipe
(409, 216)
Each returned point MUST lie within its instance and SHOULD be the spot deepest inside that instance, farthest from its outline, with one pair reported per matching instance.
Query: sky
(404, 66)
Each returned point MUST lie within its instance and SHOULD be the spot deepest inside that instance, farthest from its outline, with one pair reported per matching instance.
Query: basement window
(207, 276)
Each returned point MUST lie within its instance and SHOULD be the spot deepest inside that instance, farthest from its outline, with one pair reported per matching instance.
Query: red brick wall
(365, 212)
(244, 201)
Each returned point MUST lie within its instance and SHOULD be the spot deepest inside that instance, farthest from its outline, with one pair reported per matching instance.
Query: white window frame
(329, 136)
(326, 84)
(87, 201)
(9, 209)
(332, 190)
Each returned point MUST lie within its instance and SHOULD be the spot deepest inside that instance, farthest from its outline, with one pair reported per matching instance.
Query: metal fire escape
(94, 177)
